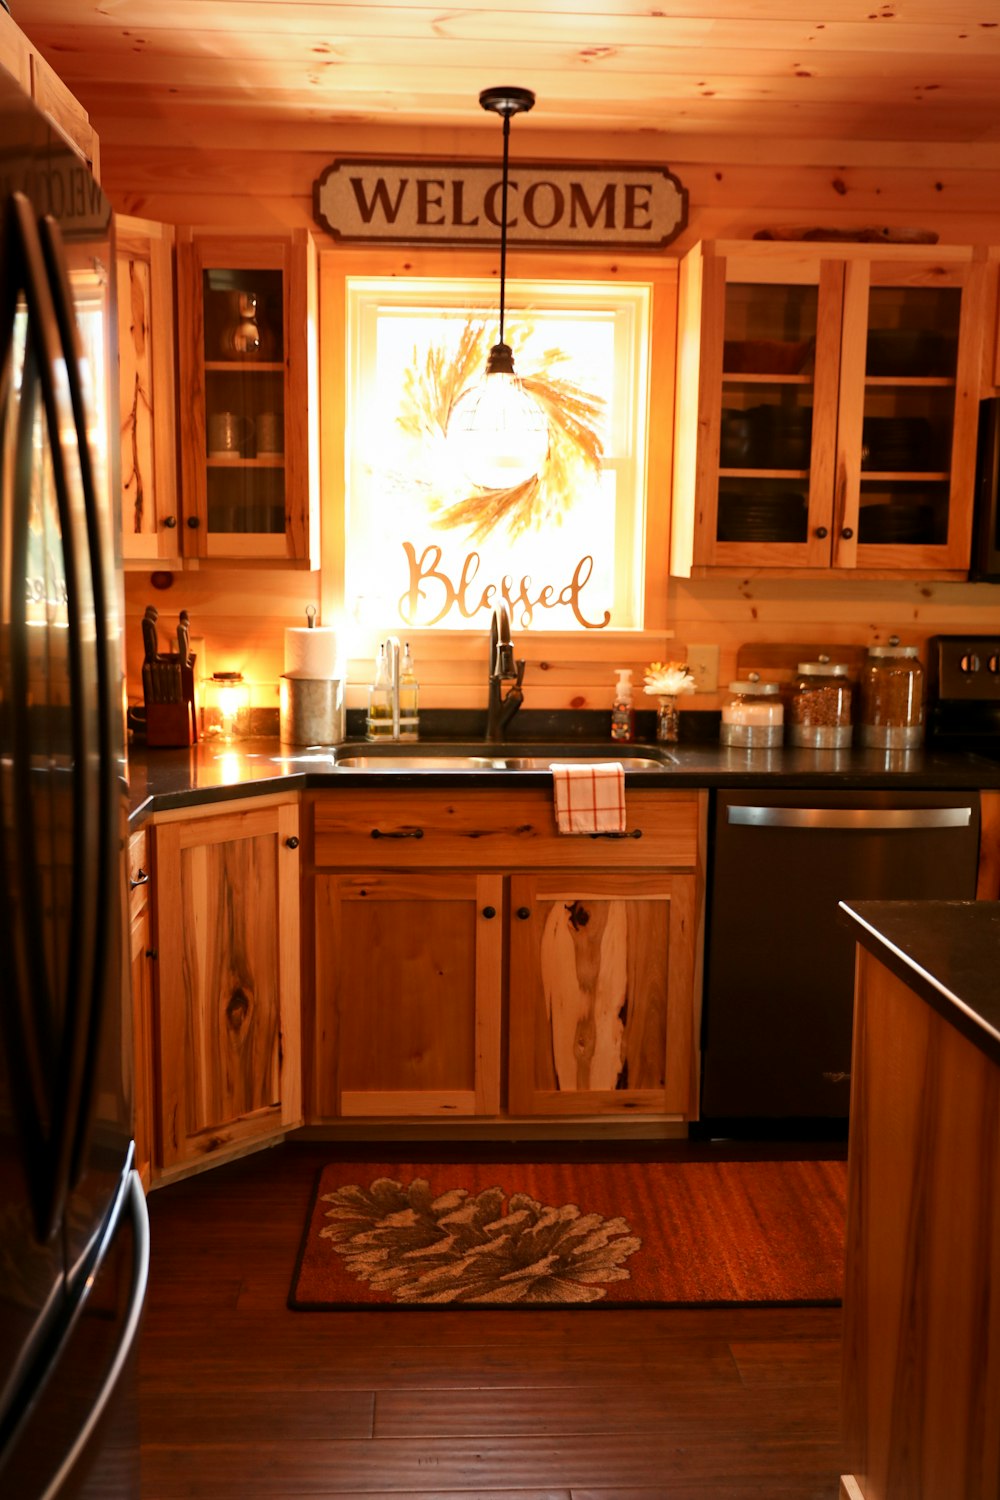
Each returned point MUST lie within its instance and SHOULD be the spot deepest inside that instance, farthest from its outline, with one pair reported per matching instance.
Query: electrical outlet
(704, 664)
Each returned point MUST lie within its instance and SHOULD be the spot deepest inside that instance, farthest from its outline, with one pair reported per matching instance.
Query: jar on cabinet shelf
(892, 697)
(819, 708)
(753, 716)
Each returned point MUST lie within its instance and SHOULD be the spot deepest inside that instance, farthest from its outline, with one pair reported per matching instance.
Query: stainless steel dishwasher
(779, 974)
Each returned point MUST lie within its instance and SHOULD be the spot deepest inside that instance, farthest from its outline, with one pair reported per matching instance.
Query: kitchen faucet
(502, 668)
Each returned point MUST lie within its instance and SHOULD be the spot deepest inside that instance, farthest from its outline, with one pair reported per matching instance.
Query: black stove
(963, 693)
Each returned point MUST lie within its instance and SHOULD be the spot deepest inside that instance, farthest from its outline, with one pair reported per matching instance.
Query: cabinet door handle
(397, 833)
(292, 843)
(523, 913)
(152, 953)
(847, 533)
(139, 878)
(193, 522)
(822, 532)
(633, 833)
(489, 912)
(170, 522)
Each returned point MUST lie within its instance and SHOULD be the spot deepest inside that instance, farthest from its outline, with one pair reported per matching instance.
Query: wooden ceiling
(925, 71)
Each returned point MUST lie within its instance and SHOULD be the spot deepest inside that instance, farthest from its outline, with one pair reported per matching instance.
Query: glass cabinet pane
(765, 433)
(909, 412)
(244, 359)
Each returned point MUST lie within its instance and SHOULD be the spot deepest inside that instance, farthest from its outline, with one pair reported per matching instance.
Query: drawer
(137, 872)
(487, 829)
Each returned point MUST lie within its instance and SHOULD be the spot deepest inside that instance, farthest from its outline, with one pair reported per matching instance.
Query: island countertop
(947, 952)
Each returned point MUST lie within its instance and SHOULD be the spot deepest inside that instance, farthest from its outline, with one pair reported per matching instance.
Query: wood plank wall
(194, 175)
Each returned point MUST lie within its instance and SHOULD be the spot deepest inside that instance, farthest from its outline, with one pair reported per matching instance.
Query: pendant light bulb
(498, 432)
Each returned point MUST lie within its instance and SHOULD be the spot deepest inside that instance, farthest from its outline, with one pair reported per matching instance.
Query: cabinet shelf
(262, 461)
(245, 366)
(763, 473)
(909, 382)
(732, 377)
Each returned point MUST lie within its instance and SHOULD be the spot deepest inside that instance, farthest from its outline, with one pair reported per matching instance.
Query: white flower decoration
(666, 679)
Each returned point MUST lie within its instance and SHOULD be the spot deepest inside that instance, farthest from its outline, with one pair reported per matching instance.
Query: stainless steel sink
(388, 758)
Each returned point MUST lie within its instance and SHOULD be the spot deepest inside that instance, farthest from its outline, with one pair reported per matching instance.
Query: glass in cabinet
(246, 309)
(825, 408)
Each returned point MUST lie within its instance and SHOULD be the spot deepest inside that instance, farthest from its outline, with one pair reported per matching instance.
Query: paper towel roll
(310, 653)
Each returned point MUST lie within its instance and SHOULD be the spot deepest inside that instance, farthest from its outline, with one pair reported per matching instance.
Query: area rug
(544, 1235)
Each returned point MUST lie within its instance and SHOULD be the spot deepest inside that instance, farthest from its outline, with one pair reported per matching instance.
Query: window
(425, 547)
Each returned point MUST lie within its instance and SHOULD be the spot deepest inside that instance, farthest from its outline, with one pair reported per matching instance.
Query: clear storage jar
(753, 716)
(892, 697)
(819, 708)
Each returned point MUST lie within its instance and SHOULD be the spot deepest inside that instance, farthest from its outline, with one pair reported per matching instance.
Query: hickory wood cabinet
(472, 961)
(225, 1045)
(826, 408)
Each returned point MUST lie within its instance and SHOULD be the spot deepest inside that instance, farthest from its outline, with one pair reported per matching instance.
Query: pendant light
(498, 432)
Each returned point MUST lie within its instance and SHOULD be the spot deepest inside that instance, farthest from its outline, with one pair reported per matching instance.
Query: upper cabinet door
(248, 420)
(151, 533)
(826, 409)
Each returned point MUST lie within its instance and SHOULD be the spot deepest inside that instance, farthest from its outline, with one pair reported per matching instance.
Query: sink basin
(398, 758)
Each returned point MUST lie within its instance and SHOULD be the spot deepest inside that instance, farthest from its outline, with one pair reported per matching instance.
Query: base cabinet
(463, 983)
(227, 1051)
(601, 979)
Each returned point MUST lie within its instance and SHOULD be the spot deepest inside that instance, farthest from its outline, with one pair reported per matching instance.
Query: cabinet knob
(523, 912)
(821, 532)
(292, 843)
(489, 912)
(152, 953)
(194, 522)
(847, 533)
(170, 522)
(139, 878)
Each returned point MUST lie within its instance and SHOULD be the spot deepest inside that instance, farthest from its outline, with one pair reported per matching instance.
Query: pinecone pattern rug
(557, 1235)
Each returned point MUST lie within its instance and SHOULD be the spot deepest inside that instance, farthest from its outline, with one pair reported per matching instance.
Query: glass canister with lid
(819, 708)
(892, 697)
(753, 716)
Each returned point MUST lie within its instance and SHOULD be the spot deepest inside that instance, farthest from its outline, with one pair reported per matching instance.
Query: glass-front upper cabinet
(826, 408)
(248, 408)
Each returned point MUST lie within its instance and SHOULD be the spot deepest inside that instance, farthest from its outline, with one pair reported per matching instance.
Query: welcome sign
(460, 203)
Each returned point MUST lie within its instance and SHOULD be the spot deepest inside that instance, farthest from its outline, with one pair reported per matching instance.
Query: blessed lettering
(431, 594)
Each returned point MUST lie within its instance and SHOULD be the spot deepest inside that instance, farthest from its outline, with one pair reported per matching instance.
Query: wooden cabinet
(826, 408)
(20, 58)
(151, 524)
(141, 958)
(601, 980)
(227, 1048)
(248, 421)
(472, 961)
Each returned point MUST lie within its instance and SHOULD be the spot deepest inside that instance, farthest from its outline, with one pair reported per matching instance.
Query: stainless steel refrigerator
(74, 1242)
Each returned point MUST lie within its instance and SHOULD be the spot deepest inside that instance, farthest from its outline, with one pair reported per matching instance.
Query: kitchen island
(921, 1371)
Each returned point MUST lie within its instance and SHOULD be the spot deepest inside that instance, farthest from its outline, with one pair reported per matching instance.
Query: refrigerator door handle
(139, 1215)
(50, 1117)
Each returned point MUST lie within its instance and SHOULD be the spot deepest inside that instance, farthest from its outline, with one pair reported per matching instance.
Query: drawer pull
(140, 878)
(634, 833)
(152, 953)
(398, 833)
(489, 912)
(524, 912)
(292, 842)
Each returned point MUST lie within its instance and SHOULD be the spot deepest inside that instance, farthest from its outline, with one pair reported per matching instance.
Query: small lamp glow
(498, 432)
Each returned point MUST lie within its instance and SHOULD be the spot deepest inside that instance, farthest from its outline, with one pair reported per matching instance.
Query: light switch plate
(704, 664)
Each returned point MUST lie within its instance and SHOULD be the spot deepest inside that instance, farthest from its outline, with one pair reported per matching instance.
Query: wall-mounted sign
(459, 203)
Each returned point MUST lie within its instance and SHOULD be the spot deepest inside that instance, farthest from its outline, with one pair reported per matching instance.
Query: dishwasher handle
(851, 819)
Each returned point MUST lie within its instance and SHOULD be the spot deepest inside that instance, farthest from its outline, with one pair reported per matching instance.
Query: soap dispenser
(622, 712)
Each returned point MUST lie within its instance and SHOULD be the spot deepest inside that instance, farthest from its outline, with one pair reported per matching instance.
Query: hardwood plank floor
(242, 1399)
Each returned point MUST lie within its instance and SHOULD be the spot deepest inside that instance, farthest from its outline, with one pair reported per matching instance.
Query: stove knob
(969, 662)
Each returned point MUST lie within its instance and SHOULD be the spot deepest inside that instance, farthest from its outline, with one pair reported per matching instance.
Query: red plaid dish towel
(590, 798)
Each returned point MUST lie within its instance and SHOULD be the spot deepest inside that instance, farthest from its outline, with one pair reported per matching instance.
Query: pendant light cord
(503, 219)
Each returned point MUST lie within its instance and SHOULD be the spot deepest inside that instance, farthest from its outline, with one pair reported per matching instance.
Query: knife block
(169, 695)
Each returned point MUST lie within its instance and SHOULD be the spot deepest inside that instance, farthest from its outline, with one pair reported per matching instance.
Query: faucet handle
(504, 667)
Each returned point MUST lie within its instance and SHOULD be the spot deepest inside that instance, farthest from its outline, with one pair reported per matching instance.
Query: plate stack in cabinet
(826, 408)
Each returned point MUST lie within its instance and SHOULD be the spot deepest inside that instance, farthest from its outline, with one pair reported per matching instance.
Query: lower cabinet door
(408, 988)
(227, 908)
(602, 993)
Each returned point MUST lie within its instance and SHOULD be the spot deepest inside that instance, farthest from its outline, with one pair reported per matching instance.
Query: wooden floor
(243, 1400)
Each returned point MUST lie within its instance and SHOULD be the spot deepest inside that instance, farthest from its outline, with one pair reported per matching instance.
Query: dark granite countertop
(948, 952)
(212, 771)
